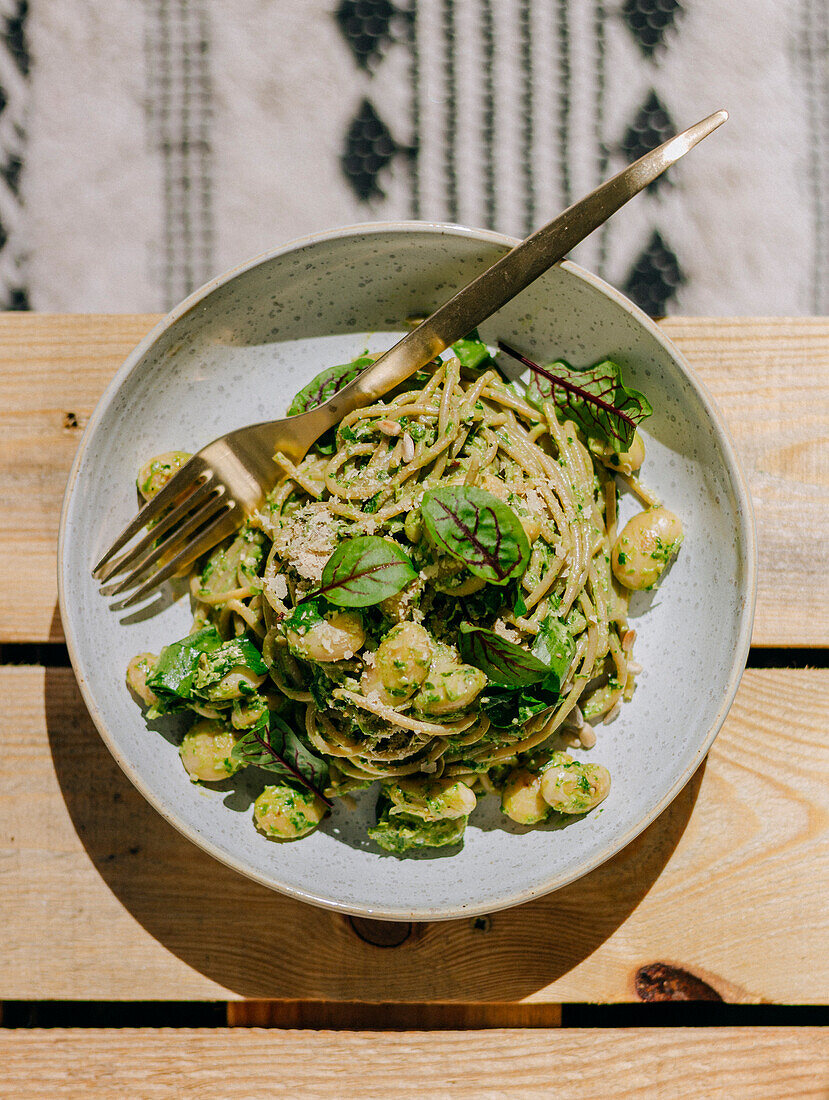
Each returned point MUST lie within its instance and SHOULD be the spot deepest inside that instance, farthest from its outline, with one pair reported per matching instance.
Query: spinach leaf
(364, 571)
(304, 616)
(484, 604)
(238, 652)
(326, 384)
(177, 666)
(505, 663)
(272, 744)
(595, 398)
(507, 709)
(478, 529)
(473, 353)
(554, 646)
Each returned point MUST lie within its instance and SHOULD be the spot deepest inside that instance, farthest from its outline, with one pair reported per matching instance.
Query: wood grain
(770, 377)
(682, 1064)
(101, 899)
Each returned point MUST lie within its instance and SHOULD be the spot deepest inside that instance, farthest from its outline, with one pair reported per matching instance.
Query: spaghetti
(456, 681)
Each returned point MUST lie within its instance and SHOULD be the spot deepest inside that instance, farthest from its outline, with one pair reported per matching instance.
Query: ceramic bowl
(234, 353)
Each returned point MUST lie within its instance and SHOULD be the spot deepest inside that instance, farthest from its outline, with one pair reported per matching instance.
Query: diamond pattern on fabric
(651, 126)
(369, 147)
(366, 27)
(655, 277)
(649, 21)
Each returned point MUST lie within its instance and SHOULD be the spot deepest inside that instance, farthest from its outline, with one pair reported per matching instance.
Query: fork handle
(520, 266)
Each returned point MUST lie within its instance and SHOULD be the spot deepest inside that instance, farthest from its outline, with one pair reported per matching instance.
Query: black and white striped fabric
(148, 144)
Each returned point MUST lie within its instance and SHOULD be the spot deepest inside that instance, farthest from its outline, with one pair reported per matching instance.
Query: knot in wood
(661, 982)
(381, 933)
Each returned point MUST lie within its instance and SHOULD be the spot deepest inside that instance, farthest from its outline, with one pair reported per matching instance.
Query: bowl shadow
(253, 942)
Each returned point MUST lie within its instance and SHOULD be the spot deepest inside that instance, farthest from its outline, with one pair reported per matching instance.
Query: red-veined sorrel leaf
(364, 571)
(505, 663)
(478, 529)
(326, 384)
(274, 746)
(595, 398)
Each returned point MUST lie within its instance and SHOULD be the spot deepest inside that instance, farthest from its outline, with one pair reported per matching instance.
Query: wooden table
(722, 899)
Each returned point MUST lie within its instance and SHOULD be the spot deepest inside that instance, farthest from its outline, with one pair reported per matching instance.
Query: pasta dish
(435, 598)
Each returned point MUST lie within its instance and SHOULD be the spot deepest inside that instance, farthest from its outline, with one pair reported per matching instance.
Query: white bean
(138, 670)
(645, 547)
(282, 812)
(432, 799)
(205, 751)
(572, 787)
(336, 638)
(449, 687)
(521, 798)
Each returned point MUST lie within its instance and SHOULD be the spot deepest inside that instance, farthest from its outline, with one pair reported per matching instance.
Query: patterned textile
(146, 145)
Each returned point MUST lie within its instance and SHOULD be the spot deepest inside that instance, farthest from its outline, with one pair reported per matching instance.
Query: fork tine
(176, 541)
(224, 524)
(183, 479)
(154, 534)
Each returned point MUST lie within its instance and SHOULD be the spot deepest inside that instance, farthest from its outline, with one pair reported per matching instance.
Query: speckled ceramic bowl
(234, 353)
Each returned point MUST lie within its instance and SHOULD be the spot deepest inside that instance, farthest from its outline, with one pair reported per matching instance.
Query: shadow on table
(259, 944)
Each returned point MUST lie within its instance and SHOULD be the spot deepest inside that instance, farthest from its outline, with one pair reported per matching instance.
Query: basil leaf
(555, 646)
(326, 384)
(478, 529)
(179, 662)
(272, 744)
(364, 571)
(595, 398)
(505, 663)
(473, 353)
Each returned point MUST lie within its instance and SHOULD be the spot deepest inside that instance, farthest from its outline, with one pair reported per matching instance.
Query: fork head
(208, 499)
(203, 503)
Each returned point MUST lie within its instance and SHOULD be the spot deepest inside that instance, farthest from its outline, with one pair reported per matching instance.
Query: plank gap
(787, 657)
(47, 654)
(112, 1014)
(56, 655)
(356, 1016)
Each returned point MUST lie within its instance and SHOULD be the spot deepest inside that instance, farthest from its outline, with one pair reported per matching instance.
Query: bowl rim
(747, 532)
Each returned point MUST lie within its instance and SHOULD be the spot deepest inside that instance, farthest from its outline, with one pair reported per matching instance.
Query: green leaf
(239, 652)
(177, 666)
(508, 709)
(595, 398)
(272, 744)
(478, 529)
(303, 617)
(364, 571)
(326, 384)
(505, 663)
(300, 758)
(473, 353)
(555, 646)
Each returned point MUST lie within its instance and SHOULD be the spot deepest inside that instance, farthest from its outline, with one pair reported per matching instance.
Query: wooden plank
(100, 899)
(53, 369)
(770, 376)
(730, 1063)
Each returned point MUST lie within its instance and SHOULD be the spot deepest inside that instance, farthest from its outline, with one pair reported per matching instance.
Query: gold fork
(210, 496)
